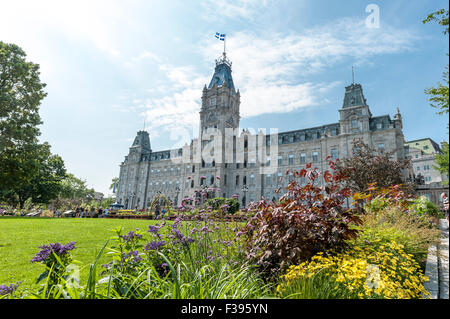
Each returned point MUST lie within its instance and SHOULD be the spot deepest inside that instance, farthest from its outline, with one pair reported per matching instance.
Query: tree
(41, 173)
(75, 188)
(439, 96)
(21, 93)
(442, 162)
(114, 182)
(442, 18)
(369, 166)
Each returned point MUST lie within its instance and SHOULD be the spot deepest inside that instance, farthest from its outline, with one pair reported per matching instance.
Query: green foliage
(415, 232)
(442, 162)
(21, 92)
(422, 206)
(442, 18)
(227, 205)
(27, 168)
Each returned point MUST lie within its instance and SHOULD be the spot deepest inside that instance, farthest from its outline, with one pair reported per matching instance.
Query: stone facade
(230, 161)
(422, 154)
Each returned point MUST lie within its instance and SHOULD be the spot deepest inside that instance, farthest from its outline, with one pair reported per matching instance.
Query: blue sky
(109, 65)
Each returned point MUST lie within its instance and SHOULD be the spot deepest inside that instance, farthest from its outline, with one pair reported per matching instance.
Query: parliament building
(226, 160)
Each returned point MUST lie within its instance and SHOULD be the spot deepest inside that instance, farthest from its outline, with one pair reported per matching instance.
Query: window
(426, 167)
(303, 158)
(379, 126)
(212, 102)
(291, 159)
(381, 148)
(291, 176)
(252, 179)
(334, 153)
(268, 161)
(354, 124)
(418, 168)
(315, 157)
(188, 168)
(244, 180)
(237, 180)
(302, 137)
(280, 178)
(269, 179)
(280, 160)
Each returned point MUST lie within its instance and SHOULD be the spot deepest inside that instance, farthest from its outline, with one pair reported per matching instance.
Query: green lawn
(20, 239)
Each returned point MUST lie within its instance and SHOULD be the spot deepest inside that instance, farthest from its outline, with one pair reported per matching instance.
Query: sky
(113, 68)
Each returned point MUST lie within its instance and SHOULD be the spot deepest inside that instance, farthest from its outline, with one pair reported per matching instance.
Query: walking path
(437, 265)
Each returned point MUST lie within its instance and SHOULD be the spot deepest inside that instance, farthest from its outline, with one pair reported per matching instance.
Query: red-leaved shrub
(306, 220)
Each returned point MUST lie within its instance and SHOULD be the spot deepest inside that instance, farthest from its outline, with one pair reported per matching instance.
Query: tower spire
(353, 75)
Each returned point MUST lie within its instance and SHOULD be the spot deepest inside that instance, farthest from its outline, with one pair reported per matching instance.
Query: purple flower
(154, 245)
(131, 235)
(4, 290)
(57, 248)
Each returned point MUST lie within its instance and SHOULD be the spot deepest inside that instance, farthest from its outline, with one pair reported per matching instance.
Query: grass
(20, 239)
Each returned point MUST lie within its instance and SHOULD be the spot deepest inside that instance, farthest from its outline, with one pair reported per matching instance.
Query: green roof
(426, 145)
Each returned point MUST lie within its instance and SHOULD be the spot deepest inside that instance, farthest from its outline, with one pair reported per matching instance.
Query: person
(163, 212)
(92, 212)
(445, 201)
(100, 213)
(157, 210)
(105, 213)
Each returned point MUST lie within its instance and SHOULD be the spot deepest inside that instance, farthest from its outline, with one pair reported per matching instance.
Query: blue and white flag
(220, 36)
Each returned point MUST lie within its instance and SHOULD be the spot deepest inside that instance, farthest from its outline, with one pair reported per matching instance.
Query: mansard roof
(354, 96)
(222, 74)
(142, 140)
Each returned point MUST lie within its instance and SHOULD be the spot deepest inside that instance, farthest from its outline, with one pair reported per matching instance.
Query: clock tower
(220, 100)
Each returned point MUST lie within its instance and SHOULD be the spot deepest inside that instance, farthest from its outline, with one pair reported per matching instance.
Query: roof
(222, 74)
(354, 96)
(142, 140)
(426, 145)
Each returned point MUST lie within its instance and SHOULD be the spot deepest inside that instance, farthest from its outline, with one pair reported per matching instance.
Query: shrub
(385, 272)
(422, 206)
(307, 219)
(414, 232)
(226, 205)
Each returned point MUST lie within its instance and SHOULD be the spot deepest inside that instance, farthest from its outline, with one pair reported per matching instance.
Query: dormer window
(212, 102)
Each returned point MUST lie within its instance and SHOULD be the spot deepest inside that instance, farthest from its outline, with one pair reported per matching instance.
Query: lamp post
(177, 191)
(245, 190)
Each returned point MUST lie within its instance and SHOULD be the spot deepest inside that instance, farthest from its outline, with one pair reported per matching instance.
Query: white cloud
(271, 70)
(232, 9)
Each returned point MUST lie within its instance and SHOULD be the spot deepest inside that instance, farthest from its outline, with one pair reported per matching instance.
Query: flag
(220, 36)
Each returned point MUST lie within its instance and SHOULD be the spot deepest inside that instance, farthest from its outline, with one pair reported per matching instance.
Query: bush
(307, 220)
(422, 206)
(414, 232)
(226, 205)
